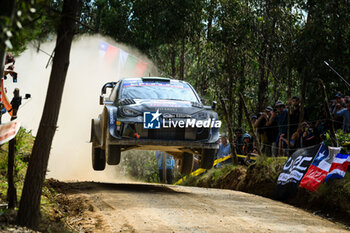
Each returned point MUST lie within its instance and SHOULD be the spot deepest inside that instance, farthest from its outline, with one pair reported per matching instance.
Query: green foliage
(24, 144)
(342, 138)
(264, 49)
(23, 27)
(141, 165)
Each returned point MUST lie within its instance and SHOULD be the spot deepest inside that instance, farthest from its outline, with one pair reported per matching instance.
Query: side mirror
(213, 106)
(102, 99)
(27, 96)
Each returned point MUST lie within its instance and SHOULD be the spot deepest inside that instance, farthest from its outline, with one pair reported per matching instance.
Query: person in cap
(224, 150)
(281, 115)
(337, 107)
(248, 149)
(239, 140)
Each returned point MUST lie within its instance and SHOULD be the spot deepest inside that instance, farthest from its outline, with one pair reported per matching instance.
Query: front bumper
(154, 142)
(135, 130)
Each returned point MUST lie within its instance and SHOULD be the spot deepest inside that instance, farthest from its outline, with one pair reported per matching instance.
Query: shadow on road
(88, 187)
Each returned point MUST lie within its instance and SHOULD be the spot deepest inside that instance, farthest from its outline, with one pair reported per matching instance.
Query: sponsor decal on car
(152, 120)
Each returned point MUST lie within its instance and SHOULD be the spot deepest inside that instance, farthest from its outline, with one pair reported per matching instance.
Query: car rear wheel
(98, 158)
(186, 163)
(207, 158)
(113, 157)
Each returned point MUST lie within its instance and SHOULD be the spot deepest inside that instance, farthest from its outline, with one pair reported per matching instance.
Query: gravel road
(140, 207)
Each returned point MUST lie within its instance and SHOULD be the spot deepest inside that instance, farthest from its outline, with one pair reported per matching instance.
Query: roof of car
(152, 79)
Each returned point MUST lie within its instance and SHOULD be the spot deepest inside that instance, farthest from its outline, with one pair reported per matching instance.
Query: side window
(114, 93)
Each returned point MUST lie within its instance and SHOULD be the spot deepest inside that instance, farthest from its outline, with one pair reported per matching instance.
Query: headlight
(201, 116)
(130, 112)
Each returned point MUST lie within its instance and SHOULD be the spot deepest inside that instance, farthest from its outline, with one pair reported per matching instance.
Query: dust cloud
(70, 157)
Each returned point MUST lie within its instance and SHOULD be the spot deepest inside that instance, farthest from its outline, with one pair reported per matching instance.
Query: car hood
(166, 106)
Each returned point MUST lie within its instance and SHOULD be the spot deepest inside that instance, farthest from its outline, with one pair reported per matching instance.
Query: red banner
(5, 101)
(140, 69)
(111, 53)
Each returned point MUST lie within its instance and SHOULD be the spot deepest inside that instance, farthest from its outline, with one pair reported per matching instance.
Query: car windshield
(135, 89)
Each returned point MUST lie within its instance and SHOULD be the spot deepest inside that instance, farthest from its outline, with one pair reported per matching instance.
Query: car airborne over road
(154, 113)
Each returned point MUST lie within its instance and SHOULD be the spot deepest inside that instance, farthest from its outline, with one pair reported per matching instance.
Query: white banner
(8, 131)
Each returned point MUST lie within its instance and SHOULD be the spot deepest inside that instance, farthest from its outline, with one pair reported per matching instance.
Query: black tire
(207, 158)
(186, 163)
(113, 157)
(98, 158)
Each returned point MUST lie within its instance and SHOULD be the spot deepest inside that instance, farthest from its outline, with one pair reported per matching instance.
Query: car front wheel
(98, 158)
(207, 158)
(113, 155)
(186, 163)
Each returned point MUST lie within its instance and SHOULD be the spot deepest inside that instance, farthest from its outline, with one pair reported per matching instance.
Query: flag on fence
(339, 166)
(319, 167)
(293, 171)
(128, 65)
(102, 49)
(111, 53)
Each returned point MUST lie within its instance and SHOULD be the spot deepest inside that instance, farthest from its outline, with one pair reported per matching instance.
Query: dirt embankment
(331, 200)
(139, 207)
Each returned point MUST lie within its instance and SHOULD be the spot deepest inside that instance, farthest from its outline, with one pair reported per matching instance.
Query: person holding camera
(345, 113)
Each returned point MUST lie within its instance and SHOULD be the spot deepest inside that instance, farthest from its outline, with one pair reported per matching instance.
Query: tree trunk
(11, 191)
(241, 88)
(329, 117)
(251, 127)
(263, 81)
(302, 97)
(210, 18)
(230, 131)
(182, 59)
(29, 209)
(173, 60)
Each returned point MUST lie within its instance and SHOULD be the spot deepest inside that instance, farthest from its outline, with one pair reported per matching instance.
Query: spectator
(224, 150)
(345, 113)
(336, 107)
(15, 103)
(169, 164)
(239, 141)
(248, 144)
(281, 116)
(253, 119)
(321, 125)
(260, 126)
(295, 141)
(248, 149)
(309, 138)
(346, 98)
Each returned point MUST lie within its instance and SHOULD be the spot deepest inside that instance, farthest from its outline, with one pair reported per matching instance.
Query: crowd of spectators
(280, 133)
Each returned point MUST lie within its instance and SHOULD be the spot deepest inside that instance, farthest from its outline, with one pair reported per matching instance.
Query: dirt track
(138, 207)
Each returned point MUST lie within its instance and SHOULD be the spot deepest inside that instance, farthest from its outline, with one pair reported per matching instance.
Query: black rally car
(154, 113)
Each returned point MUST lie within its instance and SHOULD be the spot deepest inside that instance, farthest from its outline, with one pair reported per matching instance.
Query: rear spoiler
(155, 79)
